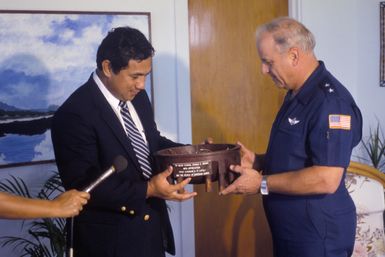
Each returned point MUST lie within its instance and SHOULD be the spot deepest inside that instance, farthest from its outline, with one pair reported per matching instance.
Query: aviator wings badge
(293, 121)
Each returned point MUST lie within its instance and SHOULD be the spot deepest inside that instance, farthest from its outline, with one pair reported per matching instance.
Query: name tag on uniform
(339, 121)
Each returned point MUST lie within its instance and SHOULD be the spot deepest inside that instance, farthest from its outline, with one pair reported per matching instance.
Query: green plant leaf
(47, 236)
(15, 186)
(374, 147)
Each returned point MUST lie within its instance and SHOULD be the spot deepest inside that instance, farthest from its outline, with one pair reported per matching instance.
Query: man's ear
(294, 55)
(106, 68)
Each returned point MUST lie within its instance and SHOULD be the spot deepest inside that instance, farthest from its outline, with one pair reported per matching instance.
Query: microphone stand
(71, 235)
(119, 164)
(88, 189)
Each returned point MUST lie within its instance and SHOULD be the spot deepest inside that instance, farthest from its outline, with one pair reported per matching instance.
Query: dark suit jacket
(118, 220)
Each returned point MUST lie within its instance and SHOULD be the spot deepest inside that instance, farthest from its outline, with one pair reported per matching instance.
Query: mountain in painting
(6, 107)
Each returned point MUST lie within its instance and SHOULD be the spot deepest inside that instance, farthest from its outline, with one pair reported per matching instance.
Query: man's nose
(265, 68)
(141, 83)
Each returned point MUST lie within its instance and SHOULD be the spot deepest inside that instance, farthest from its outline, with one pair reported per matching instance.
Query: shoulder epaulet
(328, 89)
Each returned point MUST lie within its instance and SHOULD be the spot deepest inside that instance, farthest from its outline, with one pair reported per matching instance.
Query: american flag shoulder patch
(339, 121)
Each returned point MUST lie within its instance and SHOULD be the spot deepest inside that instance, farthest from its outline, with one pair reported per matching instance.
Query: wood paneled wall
(231, 101)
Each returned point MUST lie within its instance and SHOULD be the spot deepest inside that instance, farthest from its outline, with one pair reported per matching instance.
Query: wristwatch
(264, 189)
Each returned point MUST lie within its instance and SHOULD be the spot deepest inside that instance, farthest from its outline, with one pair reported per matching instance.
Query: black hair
(121, 45)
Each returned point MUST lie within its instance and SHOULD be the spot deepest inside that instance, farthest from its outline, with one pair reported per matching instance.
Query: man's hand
(247, 156)
(158, 186)
(248, 183)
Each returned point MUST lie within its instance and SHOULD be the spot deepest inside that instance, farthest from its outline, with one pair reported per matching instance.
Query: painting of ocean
(45, 56)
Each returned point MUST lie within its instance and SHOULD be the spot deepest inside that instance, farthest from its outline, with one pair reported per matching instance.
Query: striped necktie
(137, 142)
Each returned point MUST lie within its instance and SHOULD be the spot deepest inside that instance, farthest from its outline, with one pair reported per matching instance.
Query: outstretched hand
(158, 186)
(70, 203)
(248, 182)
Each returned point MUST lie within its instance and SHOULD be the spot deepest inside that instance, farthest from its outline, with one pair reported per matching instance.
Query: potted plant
(374, 146)
(46, 236)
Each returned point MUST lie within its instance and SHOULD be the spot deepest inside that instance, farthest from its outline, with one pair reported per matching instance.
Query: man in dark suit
(127, 214)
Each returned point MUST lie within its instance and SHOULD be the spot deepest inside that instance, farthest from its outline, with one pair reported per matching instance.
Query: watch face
(264, 189)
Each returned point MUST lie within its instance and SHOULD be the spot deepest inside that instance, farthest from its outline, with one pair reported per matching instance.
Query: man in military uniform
(301, 175)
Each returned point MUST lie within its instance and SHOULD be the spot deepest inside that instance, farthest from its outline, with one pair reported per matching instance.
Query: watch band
(264, 189)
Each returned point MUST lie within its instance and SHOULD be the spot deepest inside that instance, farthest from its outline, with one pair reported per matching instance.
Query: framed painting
(44, 57)
(382, 44)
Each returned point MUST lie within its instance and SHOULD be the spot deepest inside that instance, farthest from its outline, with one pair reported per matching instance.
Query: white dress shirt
(114, 102)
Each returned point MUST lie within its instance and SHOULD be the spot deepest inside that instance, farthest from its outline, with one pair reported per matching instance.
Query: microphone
(119, 164)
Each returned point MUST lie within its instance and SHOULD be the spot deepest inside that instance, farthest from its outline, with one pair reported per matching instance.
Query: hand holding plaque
(160, 187)
(202, 163)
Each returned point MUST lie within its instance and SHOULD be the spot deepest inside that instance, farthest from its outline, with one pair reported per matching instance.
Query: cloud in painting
(20, 89)
(43, 151)
(64, 45)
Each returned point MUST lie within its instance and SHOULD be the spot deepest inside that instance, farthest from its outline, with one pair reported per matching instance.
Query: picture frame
(382, 44)
(46, 55)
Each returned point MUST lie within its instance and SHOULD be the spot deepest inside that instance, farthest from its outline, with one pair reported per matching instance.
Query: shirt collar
(305, 93)
(112, 100)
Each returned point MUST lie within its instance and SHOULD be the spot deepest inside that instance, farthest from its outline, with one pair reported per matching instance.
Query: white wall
(348, 40)
(169, 31)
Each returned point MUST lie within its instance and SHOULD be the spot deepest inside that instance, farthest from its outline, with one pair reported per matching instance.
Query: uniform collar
(305, 93)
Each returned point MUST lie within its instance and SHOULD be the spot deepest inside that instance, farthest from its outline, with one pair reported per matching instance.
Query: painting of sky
(44, 58)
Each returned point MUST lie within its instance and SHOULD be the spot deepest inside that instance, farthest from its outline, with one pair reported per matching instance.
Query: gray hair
(287, 33)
